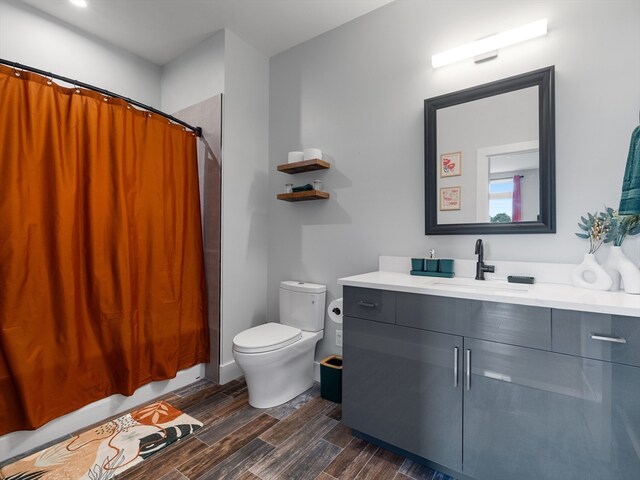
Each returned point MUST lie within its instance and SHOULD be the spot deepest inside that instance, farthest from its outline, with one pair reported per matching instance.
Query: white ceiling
(160, 30)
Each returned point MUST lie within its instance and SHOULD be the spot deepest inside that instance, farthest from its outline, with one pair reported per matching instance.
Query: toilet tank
(302, 305)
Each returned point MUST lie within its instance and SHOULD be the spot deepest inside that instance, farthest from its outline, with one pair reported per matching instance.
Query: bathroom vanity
(494, 381)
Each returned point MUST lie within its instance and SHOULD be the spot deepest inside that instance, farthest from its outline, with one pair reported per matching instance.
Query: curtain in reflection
(101, 266)
(516, 204)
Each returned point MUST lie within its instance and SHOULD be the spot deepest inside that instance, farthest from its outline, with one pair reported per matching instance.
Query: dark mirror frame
(544, 80)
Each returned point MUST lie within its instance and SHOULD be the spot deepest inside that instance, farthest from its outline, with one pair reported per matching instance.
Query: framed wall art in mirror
(505, 132)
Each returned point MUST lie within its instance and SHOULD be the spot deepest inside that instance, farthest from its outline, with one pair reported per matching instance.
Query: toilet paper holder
(335, 310)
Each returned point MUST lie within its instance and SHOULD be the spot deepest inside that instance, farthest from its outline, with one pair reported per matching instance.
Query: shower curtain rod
(76, 83)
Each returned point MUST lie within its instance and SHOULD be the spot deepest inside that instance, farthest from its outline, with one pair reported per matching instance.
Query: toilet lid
(265, 338)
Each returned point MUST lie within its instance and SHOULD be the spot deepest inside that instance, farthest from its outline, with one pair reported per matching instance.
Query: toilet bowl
(277, 358)
(275, 377)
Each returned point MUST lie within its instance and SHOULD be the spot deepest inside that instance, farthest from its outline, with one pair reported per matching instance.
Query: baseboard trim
(17, 443)
(229, 371)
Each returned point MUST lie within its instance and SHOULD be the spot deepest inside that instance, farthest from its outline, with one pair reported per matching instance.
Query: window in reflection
(500, 200)
(513, 187)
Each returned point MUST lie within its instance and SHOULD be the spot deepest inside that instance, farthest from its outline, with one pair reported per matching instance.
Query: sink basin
(482, 285)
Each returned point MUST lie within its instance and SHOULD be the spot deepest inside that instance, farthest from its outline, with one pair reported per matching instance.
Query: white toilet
(277, 358)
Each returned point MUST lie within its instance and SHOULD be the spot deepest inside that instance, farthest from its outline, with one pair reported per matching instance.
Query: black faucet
(480, 266)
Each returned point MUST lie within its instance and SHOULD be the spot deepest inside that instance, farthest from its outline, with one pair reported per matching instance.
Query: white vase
(589, 274)
(613, 273)
(619, 266)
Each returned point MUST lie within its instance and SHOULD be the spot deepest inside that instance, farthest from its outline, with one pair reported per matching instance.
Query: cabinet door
(531, 414)
(399, 387)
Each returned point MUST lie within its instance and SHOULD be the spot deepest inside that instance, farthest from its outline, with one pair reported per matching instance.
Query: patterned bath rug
(108, 449)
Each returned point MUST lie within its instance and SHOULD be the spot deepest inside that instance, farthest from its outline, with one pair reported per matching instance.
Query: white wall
(357, 92)
(194, 76)
(33, 38)
(245, 150)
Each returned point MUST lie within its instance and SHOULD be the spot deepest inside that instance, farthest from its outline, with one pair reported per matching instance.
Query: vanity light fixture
(79, 3)
(486, 47)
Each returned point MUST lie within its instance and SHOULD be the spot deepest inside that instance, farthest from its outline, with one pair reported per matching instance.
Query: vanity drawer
(512, 324)
(370, 304)
(614, 338)
(430, 312)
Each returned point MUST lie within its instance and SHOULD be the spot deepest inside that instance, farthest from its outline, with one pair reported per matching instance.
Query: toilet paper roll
(294, 157)
(312, 153)
(335, 310)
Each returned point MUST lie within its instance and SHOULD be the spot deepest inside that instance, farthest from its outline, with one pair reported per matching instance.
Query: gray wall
(357, 92)
(194, 76)
(245, 149)
(224, 63)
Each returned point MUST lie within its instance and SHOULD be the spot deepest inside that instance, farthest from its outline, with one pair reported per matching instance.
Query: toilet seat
(266, 338)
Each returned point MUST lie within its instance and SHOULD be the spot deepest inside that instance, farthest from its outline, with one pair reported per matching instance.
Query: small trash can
(331, 378)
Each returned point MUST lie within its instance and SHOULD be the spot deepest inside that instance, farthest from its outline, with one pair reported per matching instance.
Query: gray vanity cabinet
(399, 387)
(532, 414)
(494, 391)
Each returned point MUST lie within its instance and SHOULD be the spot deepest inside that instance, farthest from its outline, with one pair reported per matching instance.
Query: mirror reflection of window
(500, 200)
(513, 187)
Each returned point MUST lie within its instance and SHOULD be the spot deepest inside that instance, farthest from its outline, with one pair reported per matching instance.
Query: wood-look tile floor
(302, 440)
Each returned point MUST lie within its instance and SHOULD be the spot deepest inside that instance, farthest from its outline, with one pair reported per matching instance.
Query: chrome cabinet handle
(362, 303)
(468, 368)
(607, 338)
(455, 367)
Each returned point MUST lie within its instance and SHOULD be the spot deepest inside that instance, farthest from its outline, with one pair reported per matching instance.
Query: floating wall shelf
(304, 166)
(302, 196)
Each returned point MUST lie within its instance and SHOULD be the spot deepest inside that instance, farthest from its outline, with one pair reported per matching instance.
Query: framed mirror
(490, 158)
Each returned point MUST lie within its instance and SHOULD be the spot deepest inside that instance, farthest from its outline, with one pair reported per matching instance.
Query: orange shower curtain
(102, 283)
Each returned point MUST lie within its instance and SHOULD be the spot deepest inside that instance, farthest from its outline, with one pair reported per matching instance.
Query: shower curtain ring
(15, 69)
(75, 87)
(50, 80)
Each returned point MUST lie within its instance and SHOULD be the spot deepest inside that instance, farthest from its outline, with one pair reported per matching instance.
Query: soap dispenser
(431, 263)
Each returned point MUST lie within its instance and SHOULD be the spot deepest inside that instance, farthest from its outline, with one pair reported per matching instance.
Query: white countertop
(551, 295)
